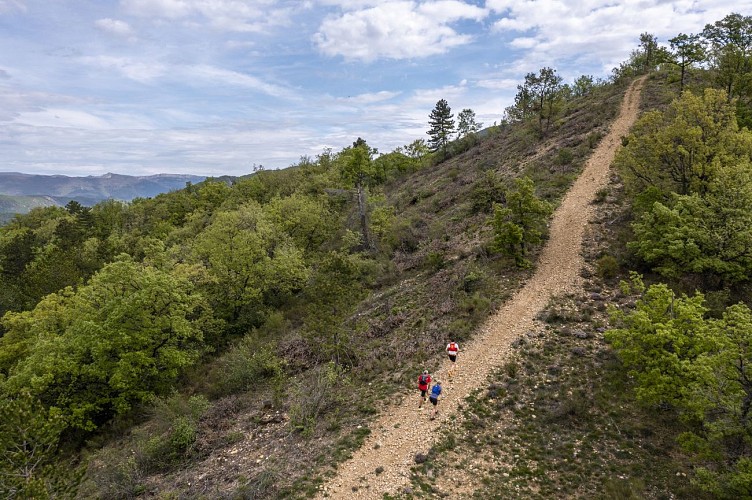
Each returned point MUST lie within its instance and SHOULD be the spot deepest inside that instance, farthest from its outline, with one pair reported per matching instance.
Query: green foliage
(441, 122)
(92, 353)
(686, 50)
(332, 294)
(564, 156)
(682, 149)
(730, 47)
(488, 190)
(250, 363)
(538, 100)
(174, 432)
(29, 440)
(703, 368)
(312, 399)
(466, 123)
(435, 261)
(658, 341)
(251, 260)
(522, 222)
(708, 234)
(607, 267)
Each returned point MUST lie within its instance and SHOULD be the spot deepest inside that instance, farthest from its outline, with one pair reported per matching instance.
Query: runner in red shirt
(452, 349)
(424, 380)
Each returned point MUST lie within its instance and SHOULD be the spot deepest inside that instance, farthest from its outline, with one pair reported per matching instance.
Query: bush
(607, 267)
(245, 366)
(435, 261)
(564, 156)
(315, 396)
(175, 431)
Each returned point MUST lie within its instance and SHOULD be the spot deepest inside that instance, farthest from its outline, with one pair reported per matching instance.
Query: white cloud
(561, 32)
(114, 26)
(216, 75)
(9, 5)
(396, 30)
(371, 98)
(224, 15)
(134, 69)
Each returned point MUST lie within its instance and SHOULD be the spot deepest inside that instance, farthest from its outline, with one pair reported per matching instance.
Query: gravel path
(402, 431)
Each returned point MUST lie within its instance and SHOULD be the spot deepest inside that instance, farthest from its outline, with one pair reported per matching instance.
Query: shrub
(607, 267)
(247, 365)
(564, 156)
(435, 261)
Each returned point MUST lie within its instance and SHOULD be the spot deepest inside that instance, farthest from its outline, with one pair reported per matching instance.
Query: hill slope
(392, 449)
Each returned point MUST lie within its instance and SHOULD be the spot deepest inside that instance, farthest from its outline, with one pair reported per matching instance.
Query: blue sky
(212, 87)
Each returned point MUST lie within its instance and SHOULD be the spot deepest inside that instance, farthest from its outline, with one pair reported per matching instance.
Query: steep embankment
(382, 464)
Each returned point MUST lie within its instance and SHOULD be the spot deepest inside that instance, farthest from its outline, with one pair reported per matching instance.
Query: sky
(222, 87)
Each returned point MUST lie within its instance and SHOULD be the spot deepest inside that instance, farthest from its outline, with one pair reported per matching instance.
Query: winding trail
(402, 431)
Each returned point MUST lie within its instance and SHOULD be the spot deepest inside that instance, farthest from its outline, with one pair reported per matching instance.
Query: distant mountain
(120, 187)
(19, 193)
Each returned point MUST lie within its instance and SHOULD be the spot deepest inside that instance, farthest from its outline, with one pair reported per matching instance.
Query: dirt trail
(402, 431)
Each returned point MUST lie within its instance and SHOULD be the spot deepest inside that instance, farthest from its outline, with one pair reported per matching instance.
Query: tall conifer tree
(441, 121)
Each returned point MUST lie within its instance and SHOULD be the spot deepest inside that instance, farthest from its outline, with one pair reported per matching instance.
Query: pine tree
(441, 121)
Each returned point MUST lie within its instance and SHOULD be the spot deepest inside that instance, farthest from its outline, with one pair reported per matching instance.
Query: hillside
(443, 211)
(262, 337)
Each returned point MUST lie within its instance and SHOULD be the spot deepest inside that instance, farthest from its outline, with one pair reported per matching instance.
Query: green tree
(707, 235)
(649, 50)
(332, 294)
(466, 123)
(583, 86)
(441, 122)
(730, 42)
(702, 369)
(358, 171)
(114, 342)
(29, 440)
(686, 50)
(522, 222)
(658, 341)
(539, 98)
(681, 149)
(248, 257)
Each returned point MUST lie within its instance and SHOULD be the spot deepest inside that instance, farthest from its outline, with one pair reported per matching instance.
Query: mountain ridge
(21, 192)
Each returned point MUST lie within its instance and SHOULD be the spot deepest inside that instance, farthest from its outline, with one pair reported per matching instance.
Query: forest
(132, 334)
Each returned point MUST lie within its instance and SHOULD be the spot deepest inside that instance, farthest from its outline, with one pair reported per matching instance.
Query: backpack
(423, 379)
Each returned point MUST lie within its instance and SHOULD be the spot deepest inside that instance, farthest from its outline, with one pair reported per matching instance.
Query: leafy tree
(417, 150)
(441, 122)
(730, 40)
(700, 367)
(709, 235)
(358, 170)
(305, 219)
(658, 340)
(332, 294)
(248, 257)
(687, 50)
(522, 222)
(721, 399)
(681, 149)
(466, 123)
(649, 48)
(94, 352)
(583, 86)
(29, 441)
(538, 98)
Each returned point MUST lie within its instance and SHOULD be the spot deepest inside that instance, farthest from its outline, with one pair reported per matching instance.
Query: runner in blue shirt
(434, 398)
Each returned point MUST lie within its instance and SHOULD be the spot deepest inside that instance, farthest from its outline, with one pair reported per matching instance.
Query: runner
(434, 398)
(452, 349)
(424, 380)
